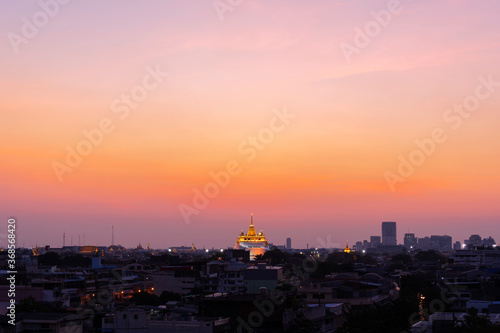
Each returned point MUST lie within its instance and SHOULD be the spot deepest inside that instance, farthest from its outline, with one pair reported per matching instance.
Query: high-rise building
(424, 243)
(489, 242)
(410, 241)
(441, 243)
(389, 233)
(475, 240)
(288, 243)
(374, 241)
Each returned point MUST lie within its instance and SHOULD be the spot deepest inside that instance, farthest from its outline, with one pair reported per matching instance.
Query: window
(124, 316)
(136, 317)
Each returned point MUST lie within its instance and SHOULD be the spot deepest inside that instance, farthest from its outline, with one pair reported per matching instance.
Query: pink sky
(322, 174)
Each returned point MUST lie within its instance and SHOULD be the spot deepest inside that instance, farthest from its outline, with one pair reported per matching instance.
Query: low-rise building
(262, 276)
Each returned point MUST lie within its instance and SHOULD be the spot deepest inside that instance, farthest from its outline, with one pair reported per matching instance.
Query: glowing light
(256, 242)
(347, 249)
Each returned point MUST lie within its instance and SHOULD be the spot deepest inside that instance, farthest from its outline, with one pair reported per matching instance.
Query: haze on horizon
(318, 175)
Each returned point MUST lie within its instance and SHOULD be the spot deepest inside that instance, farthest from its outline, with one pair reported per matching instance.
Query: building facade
(389, 233)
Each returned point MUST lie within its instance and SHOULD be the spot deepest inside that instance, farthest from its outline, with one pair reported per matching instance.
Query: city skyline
(173, 121)
(328, 241)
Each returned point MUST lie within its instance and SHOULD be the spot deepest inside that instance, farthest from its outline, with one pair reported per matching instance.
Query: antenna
(64, 239)
(112, 235)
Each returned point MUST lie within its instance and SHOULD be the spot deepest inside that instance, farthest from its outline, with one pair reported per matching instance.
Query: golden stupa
(347, 249)
(256, 243)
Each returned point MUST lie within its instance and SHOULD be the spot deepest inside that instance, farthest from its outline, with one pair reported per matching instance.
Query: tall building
(424, 243)
(374, 241)
(288, 243)
(389, 233)
(410, 241)
(489, 242)
(475, 240)
(441, 243)
(256, 243)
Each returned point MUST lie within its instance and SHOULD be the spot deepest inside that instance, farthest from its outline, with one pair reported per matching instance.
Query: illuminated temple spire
(347, 249)
(256, 243)
(251, 230)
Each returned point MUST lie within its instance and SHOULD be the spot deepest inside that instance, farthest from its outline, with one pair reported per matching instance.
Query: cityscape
(430, 284)
(246, 166)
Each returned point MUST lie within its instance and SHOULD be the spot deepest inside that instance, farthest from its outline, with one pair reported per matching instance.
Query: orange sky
(322, 172)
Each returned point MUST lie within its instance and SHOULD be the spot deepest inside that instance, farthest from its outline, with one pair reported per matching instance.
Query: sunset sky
(65, 70)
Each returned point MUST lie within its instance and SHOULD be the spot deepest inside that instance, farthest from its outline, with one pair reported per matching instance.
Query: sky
(173, 121)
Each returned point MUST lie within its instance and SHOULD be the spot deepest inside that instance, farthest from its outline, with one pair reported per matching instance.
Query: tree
(474, 323)
(49, 259)
(145, 298)
(431, 256)
(168, 296)
(75, 261)
(389, 318)
(403, 258)
(276, 256)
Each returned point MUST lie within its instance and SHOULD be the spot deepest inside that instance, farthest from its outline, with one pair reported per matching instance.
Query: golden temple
(256, 243)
